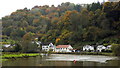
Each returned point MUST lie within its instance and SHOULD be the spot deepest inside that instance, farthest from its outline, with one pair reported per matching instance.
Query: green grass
(107, 54)
(18, 55)
(4, 59)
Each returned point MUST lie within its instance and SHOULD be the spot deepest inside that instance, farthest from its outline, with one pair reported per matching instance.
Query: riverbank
(6, 56)
(85, 53)
(9, 55)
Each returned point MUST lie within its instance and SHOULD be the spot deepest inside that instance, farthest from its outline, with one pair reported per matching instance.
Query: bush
(17, 48)
(116, 49)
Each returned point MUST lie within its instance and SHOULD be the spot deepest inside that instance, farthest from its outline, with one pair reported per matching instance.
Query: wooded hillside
(67, 23)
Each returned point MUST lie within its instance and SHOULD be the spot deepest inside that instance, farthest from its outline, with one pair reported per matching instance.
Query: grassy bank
(6, 56)
(85, 53)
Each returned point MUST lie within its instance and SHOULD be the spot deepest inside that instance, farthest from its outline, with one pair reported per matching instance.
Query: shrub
(116, 49)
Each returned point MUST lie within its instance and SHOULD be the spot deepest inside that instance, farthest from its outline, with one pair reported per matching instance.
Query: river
(65, 60)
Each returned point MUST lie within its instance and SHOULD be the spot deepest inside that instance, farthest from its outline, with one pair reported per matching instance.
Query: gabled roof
(63, 46)
(51, 45)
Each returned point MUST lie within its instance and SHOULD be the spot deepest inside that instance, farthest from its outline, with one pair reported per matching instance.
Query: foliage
(116, 49)
(27, 45)
(67, 23)
(17, 48)
(18, 55)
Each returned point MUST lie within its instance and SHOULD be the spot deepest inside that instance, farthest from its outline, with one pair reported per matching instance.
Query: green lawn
(6, 56)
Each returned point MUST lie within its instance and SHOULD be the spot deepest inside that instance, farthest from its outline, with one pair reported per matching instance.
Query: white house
(48, 47)
(64, 48)
(52, 47)
(45, 48)
(109, 47)
(88, 48)
(38, 42)
(100, 48)
(7, 45)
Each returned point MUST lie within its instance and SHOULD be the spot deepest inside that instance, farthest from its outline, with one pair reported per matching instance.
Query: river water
(65, 60)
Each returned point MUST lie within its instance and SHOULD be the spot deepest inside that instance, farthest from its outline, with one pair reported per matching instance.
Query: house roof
(63, 46)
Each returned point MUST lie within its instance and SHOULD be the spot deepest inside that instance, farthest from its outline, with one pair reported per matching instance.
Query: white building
(37, 42)
(64, 48)
(48, 47)
(52, 47)
(109, 47)
(7, 45)
(100, 48)
(88, 48)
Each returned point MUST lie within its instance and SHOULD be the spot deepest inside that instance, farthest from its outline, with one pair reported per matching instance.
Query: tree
(112, 10)
(64, 38)
(8, 30)
(17, 47)
(30, 29)
(51, 36)
(116, 49)
(67, 23)
(17, 34)
(26, 43)
(94, 6)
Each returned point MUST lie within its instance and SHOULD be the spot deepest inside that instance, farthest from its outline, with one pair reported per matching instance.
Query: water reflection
(67, 57)
(65, 60)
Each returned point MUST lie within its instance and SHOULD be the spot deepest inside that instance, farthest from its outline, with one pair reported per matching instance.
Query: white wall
(64, 49)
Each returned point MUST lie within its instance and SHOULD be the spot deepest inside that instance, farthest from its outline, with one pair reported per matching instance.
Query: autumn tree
(27, 45)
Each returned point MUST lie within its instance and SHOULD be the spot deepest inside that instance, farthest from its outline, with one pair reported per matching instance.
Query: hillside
(67, 23)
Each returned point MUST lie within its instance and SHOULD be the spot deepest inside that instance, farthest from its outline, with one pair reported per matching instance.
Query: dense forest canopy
(67, 23)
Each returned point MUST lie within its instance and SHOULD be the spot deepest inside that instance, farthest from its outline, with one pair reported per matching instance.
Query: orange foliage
(36, 20)
(58, 39)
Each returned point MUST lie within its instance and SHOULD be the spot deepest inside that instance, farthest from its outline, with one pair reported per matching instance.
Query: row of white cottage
(69, 48)
(98, 48)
